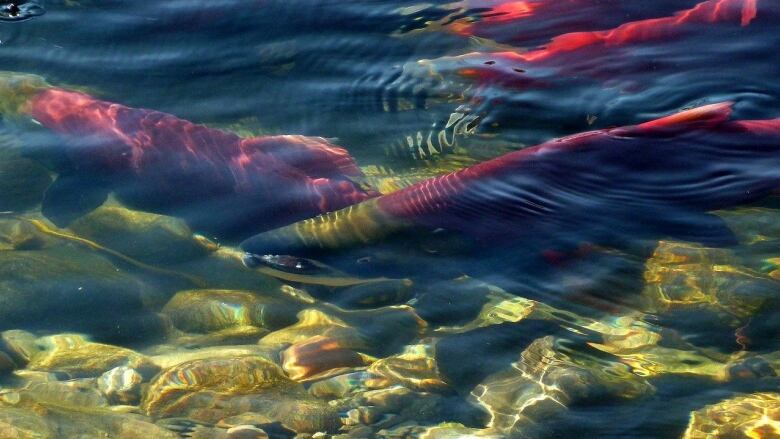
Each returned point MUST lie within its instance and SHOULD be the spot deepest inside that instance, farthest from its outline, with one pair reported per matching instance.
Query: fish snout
(16, 92)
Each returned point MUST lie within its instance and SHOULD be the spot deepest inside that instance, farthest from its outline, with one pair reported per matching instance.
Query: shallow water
(602, 295)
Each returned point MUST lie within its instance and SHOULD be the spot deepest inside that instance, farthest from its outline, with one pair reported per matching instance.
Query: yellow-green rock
(312, 323)
(449, 430)
(415, 367)
(547, 379)
(688, 277)
(20, 345)
(202, 311)
(166, 357)
(147, 237)
(78, 357)
(16, 423)
(170, 391)
(755, 416)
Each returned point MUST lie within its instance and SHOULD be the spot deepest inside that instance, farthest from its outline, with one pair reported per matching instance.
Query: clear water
(646, 308)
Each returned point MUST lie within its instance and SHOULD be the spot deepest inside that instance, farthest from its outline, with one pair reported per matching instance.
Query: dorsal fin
(695, 118)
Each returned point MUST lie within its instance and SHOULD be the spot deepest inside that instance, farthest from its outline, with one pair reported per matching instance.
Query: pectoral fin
(72, 196)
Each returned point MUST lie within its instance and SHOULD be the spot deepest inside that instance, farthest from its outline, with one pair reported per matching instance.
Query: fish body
(520, 22)
(658, 178)
(220, 183)
(593, 53)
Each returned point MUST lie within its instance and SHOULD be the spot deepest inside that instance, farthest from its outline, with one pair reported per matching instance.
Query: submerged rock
(385, 330)
(235, 335)
(752, 225)
(293, 412)
(59, 423)
(79, 394)
(391, 406)
(414, 368)
(246, 432)
(121, 385)
(78, 357)
(224, 269)
(24, 424)
(166, 356)
(22, 180)
(375, 294)
(19, 345)
(75, 408)
(703, 289)
(449, 430)
(147, 237)
(20, 234)
(202, 311)
(72, 289)
(217, 390)
(549, 378)
(6, 364)
(320, 357)
(348, 384)
(682, 275)
(744, 416)
(313, 323)
(173, 389)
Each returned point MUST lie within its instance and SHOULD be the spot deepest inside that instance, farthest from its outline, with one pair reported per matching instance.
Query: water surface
(548, 335)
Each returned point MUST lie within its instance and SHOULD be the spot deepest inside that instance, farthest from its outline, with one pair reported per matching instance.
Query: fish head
(453, 76)
(17, 91)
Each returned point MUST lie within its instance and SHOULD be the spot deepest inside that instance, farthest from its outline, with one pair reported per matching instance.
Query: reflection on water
(417, 267)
